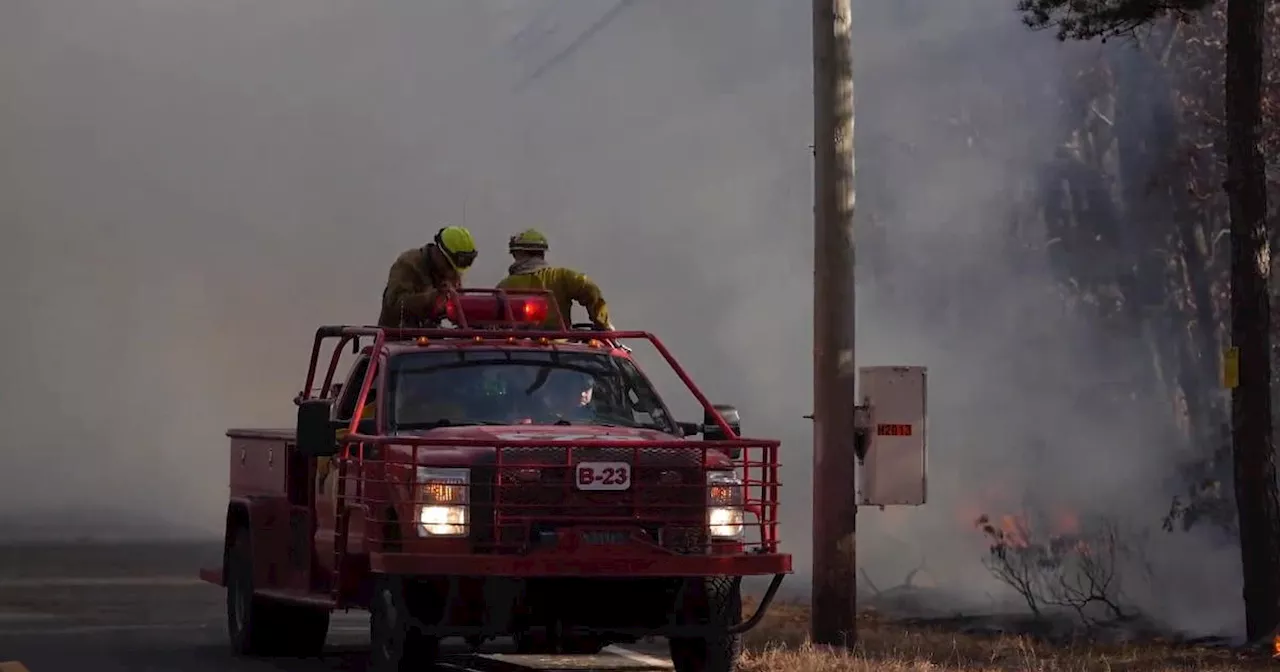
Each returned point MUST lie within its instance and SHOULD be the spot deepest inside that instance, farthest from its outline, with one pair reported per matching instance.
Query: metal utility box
(892, 420)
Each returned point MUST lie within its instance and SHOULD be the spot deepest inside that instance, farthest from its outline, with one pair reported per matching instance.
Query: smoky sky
(188, 189)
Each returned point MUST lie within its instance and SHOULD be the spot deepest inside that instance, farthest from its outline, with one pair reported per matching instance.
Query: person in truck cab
(562, 396)
(412, 295)
(531, 271)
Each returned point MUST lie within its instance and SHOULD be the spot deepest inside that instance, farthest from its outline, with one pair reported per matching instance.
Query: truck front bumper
(496, 615)
(559, 565)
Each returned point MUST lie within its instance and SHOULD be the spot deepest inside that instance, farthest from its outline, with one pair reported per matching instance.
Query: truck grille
(534, 493)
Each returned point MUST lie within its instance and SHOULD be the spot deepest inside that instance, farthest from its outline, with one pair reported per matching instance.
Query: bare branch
(1078, 571)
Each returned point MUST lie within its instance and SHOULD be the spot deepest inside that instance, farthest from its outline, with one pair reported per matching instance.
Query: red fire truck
(496, 479)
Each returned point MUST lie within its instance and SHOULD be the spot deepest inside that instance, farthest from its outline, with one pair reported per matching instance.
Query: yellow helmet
(458, 246)
(529, 240)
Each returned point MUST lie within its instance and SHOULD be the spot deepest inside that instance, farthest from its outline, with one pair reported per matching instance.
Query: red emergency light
(488, 310)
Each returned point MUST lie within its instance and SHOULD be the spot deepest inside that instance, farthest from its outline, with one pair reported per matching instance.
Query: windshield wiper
(444, 422)
(633, 425)
(610, 420)
(425, 425)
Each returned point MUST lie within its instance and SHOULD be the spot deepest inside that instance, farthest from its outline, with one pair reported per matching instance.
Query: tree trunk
(1252, 454)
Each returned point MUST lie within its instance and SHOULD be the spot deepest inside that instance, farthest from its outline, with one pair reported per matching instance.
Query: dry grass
(780, 643)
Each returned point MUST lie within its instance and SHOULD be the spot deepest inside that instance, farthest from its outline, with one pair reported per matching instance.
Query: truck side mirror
(712, 432)
(316, 434)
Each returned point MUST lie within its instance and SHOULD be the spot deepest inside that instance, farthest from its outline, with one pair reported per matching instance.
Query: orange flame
(1275, 647)
(1015, 531)
(1066, 522)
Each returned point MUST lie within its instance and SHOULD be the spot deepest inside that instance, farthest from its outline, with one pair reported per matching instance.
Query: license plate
(603, 475)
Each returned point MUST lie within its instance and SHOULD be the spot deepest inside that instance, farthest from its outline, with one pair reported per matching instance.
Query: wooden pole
(835, 507)
(1253, 450)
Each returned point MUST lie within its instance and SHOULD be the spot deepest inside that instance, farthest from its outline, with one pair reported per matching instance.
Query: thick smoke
(189, 188)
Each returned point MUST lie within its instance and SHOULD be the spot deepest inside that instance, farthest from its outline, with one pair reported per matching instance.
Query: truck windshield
(514, 387)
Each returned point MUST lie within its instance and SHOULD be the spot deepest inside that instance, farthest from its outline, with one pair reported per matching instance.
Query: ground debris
(991, 642)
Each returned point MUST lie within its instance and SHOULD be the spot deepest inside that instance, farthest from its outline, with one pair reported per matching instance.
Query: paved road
(137, 608)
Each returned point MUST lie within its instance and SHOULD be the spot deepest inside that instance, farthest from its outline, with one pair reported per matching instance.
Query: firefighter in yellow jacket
(419, 275)
(531, 271)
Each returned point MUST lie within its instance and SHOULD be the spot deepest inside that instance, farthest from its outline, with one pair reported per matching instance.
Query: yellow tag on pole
(1231, 368)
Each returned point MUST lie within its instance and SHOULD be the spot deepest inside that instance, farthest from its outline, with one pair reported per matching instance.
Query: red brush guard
(548, 506)
(568, 508)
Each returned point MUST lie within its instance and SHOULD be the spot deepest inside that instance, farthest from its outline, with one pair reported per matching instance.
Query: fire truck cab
(495, 479)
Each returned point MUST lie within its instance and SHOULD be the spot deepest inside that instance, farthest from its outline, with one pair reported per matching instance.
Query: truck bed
(259, 461)
(263, 434)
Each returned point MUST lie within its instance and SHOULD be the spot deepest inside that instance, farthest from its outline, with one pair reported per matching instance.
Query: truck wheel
(715, 602)
(397, 645)
(261, 627)
(250, 619)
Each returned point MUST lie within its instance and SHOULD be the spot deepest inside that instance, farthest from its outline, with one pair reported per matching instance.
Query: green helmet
(458, 246)
(529, 240)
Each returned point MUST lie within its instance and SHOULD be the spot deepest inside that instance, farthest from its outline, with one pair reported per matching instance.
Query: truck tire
(396, 644)
(250, 621)
(715, 602)
(258, 626)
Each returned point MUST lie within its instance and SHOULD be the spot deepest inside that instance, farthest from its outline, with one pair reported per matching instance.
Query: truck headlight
(441, 498)
(725, 516)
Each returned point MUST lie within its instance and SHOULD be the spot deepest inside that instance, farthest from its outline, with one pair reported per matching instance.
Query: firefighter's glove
(617, 344)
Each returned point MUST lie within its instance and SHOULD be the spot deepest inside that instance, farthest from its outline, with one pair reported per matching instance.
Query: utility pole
(835, 508)
(1252, 449)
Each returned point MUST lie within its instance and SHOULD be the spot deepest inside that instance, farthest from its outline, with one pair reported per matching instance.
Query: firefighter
(569, 396)
(559, 396)
(572, 396)
(411, 298)
(531, 271)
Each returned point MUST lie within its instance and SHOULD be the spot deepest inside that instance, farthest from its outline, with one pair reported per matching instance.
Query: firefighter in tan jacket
(531, 271)
(418, 276)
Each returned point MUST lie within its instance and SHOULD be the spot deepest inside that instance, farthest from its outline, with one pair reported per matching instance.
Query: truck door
(298, 491)
(326, 473)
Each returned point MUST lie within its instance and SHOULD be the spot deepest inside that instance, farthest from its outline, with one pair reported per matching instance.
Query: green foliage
(1088, 19)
